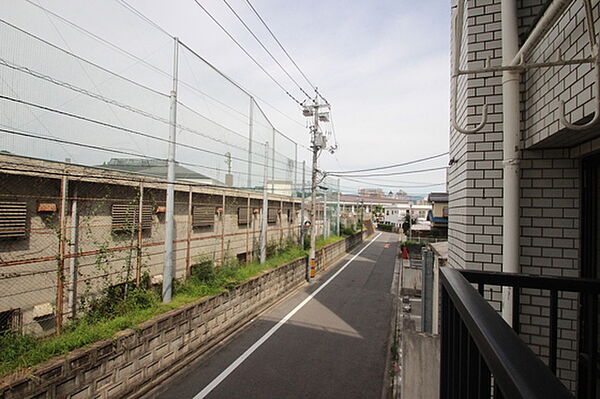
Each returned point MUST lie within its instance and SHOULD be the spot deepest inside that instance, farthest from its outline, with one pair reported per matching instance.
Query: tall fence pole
(295, 179)
(250, 133)
(337, 219)
(248, 227)
(223, 230)
(60, 283)
(265, 209)
(168, 272)
(190, 228)
(72, 251)
(140, 221)
(325, 217)
(302, 206)
(273, 164)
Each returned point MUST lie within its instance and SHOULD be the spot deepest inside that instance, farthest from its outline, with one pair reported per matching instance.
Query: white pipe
(511, 141)
(168, 268)
(552, 13)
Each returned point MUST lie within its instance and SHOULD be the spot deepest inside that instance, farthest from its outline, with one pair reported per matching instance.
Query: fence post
(248, 226)
(265, 204)
(273, 165)
(168, 272)
(223, 231)
(190, 227)
(302, 206)
(337, 220)
(138, 271)
(72, 252)
(427, 290)
(250, 128)
(61, 253)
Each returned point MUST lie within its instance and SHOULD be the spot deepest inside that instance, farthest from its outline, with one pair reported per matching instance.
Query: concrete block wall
(106, 257)
(136, 359)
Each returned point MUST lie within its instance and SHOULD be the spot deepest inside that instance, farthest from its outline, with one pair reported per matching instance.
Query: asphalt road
(335, 346)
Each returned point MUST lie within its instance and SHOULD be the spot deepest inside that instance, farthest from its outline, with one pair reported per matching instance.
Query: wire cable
(389, 166)
(285, 51)
(247, 53)
(393, 173)
(265, 48)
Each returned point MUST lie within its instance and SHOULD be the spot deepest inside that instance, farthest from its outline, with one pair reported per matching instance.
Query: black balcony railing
(483, 357)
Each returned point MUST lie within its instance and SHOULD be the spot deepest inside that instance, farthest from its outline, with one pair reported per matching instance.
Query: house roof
(152, 167)
(437, 197)
(436, 219)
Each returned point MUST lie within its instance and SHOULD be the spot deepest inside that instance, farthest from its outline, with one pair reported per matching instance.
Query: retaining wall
(138, 358)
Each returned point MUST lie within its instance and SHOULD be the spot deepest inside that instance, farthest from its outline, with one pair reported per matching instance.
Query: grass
(112, 313)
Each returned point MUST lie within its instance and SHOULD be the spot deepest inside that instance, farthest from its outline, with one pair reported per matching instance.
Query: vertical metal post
(72, 251)
(273, 164)
(223, 231)
(302, 206)
(250, 132)
(168, 272)
(138, 269)
(248, 227)
(295, 179)
(313, 196)
(325, 220)
(427, 290)
(190, 227)
(265, 210)
(337, 220)
(60, 283)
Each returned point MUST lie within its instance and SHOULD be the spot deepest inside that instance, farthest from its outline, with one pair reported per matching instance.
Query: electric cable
(265, 48)
(247, 53)
(389, 166)
(393, 173)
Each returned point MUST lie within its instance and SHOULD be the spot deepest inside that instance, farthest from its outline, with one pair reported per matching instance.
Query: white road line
(225, 373)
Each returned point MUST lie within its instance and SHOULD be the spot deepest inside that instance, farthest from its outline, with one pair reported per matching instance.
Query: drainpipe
(511, 137)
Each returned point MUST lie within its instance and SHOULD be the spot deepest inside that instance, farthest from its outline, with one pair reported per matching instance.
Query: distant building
(438, 215)
(371, 192)
(156, 168)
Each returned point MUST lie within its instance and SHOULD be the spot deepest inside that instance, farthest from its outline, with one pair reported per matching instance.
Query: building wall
(105, 257)
(550, 166)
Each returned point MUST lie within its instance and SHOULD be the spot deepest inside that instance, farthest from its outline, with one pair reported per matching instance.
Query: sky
(382, 65)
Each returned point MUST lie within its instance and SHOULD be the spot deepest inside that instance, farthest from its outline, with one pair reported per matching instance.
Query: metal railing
(481, 355)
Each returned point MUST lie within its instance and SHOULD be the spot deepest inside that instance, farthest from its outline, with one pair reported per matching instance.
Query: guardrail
(481, 355)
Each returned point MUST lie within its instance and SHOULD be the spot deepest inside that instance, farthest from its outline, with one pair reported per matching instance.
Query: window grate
(203, 216)
(126, 217)
(13, 219)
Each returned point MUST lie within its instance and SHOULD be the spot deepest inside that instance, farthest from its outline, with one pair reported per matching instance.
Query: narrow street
(334, 346)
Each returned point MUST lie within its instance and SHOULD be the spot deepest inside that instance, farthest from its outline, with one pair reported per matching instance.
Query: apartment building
(524, 185)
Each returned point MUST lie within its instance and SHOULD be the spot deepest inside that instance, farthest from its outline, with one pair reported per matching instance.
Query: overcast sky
(383, 65)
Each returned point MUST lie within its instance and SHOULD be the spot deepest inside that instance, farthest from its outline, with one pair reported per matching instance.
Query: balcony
(483, 357)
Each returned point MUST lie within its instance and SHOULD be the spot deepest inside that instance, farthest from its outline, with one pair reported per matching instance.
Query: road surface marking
(225, 373)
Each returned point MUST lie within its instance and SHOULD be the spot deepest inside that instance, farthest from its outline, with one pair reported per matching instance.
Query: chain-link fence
(84, 129)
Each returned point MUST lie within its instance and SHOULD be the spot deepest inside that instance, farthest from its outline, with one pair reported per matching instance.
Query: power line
(157, 69)
(127, 130)
(265, 48)
(389, 166)
(285, 51)
(108, 149)
(399, 185)
(392, 173)
(247, 53)
(143, 17)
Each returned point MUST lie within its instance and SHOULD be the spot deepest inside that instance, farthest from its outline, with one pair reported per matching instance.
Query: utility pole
(167, 285)
(250, 133)
(318, 143)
